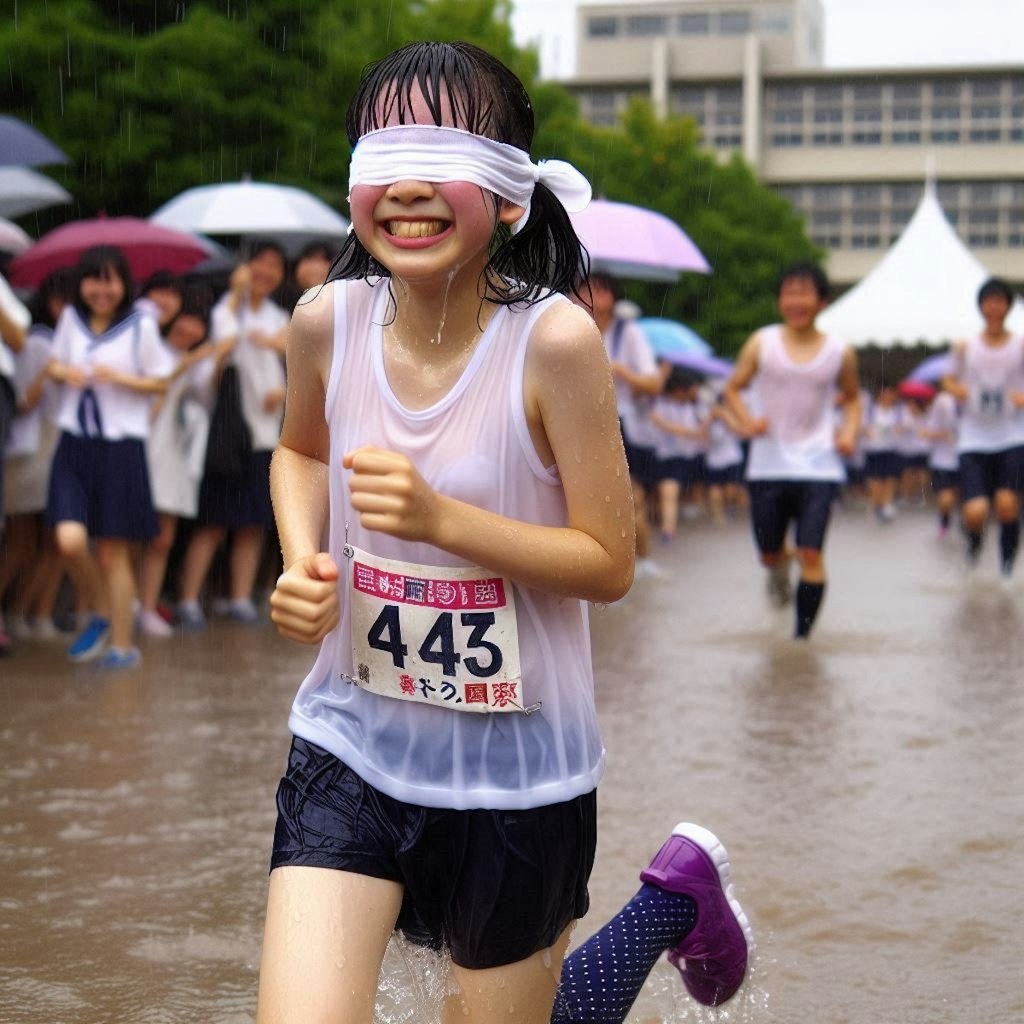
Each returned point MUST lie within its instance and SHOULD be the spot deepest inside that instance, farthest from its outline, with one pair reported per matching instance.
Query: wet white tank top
(473, 445)
(990, 422)
(798, 400)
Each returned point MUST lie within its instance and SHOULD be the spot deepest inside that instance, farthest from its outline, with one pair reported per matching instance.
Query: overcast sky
(858, 33)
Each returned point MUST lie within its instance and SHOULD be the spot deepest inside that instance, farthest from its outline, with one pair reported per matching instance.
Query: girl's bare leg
(154, 563)
(519, 993)
(115, 561)
(323, 945)
(201, 549)
(91, 591)
(668, 498)
(246, 551)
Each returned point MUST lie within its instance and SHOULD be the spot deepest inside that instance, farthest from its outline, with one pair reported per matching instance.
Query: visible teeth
(415, 228)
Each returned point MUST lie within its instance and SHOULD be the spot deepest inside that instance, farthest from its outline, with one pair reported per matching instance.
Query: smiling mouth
(415, 228)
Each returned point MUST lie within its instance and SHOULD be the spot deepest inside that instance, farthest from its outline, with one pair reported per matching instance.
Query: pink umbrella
(631, 241)
(147, 247)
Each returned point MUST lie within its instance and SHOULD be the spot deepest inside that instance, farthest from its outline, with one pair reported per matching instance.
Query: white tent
(922, 292)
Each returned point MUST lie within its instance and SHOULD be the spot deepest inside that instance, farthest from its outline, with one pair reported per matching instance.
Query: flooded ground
(868, 786)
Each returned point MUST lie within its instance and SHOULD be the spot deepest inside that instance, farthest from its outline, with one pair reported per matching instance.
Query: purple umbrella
(934, 368)
(631, 241)
(22, 146)
(707, 366)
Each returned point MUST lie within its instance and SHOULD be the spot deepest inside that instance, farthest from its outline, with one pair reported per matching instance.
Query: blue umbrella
(706, 366)
(934, 368)
(22, 146)
(670, 338)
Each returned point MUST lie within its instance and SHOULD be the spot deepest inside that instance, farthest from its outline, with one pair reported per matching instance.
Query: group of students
(434, 498)
(109, 411)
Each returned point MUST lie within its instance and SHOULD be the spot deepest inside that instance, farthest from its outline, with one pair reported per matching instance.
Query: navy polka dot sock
(601, 980)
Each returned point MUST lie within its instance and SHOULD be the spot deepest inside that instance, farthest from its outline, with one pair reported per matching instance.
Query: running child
(434, 492)
(883, 429)
(111, 361)
(942, 429)
(638, 381)
(681, 426)
(723, 462)
(797, 447)
(988, 381)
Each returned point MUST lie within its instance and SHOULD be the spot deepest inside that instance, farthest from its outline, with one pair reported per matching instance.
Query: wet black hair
(607, 282)
(102, 261)
(995, 286)
(804, 270)
(58, 284)
(680, 378)
(161, 279)
(323, 249)
(258, 246)
(481, 95)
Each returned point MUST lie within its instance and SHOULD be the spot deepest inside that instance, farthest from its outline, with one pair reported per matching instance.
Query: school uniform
(883, 429)
(943, 459)
(33, 435)
(794, 471)
(991, 437)
(627, 344)
(678, 458)
(912, 448)
(723, 459)
(237, 502)
(176, 446)
(8, 398)
(99, 476)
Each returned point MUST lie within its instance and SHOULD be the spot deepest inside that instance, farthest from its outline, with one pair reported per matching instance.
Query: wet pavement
(868, 786)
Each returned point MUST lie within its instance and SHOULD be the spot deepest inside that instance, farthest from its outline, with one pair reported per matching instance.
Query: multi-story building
(850, 148)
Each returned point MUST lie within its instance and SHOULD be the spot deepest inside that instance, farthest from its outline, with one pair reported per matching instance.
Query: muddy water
(868, 786)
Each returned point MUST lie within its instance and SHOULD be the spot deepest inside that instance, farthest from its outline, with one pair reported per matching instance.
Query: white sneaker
(19, 628)
(152, 624)
(44, 630)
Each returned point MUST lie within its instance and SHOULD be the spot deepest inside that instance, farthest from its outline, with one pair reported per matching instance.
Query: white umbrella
(24, 191)
(12, 238)
(252, 208)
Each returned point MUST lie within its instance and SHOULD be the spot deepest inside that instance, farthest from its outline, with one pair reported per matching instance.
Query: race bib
(992, 404)
(438, 636)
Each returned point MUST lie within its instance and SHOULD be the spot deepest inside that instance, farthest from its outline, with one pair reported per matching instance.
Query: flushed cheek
(363, 201)
(467, 200)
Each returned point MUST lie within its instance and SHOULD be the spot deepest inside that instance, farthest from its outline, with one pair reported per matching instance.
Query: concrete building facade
(850, 148)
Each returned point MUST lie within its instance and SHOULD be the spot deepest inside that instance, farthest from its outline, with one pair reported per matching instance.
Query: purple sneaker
(712, 958)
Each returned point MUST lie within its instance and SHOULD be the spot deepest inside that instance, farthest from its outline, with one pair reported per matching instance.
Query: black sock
(601, 980)
(1009, 539)
(944, 518)
(973, 544)
(808, 601)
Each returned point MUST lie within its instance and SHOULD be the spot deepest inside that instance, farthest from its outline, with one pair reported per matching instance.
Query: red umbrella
(919, 389)
(147, 247)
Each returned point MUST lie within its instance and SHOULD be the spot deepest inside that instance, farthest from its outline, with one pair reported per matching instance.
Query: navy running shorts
(685, 471)
(984, 473)
(491, 887)
(774, 504)
(945, 480)
(885, 465)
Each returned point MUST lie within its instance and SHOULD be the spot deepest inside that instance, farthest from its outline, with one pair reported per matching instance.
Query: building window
(827, 195)
(910, 91)
(985, 88)
(983, 239)
(775, 23)
(945, 135)
(867, 138)
(870, 240)
(734, 23)
(827, 219)
(904, 114)
(788, 139)
(867, 218)
(986, 135)
(694, 24)
(646, 25)
(602, 28)
(828, 115)
(728, 94)
(905, 138)
(827, 138)
(827, 94)
(947, 90)
(905, 195)
(793, 94)
(827, 241)
(945, 113)
(864, 92)
(728, 118)
(727, 141)
(788, 115)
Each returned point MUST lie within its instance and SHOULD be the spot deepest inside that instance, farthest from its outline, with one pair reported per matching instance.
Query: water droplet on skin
(546, 958)
(622, 534)
(608, 499)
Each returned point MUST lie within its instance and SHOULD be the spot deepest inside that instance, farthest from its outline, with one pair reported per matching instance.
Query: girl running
(445, 508)
(111, 361)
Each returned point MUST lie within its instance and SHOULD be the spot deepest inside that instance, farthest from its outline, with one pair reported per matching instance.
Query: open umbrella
(669, 337)
(252, 208)
(25, 191)
(22, 146)
(916, 389)
(631, 241)
(933, 368)
(12, 238)
(147, 247)
(706, 365)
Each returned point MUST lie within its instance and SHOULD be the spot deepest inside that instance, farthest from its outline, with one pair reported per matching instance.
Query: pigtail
(545, 254)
